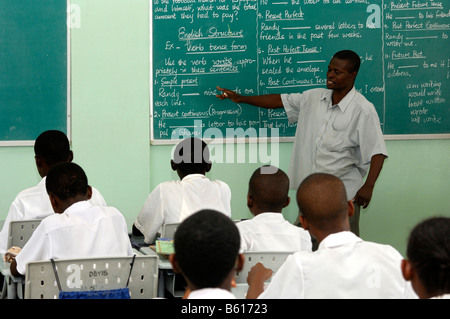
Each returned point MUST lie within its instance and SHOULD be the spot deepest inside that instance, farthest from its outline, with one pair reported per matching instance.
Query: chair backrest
(271, 260)
(168, 230)
(92, 274)
(20, 231)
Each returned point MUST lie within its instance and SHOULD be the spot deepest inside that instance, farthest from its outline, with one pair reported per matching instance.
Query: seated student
(173, 201)
(78, 229)
(344, 266)
(428, 258)
(268, 231)
(51, 148)
(207, 255)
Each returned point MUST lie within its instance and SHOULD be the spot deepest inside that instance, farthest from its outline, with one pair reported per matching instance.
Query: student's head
(428, 258)
(207, 250)
(66, 184)
(342, 70)
(323, 205)
(191, 156)
(51, 148)
(268, 190)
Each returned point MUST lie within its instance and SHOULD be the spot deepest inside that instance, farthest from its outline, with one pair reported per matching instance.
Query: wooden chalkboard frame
(30, 142)
(160, 141)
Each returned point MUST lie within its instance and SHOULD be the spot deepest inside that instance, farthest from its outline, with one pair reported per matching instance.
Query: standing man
(338, 131)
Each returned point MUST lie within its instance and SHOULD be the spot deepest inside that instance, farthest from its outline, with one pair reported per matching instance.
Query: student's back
(268, 230)
(77, 229)
(173, 201)
(51, 148)
(344, 267)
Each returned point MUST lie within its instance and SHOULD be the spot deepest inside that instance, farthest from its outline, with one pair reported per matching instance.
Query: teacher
(338, 131)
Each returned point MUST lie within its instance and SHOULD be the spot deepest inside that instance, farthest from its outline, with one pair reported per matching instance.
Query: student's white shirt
(34, 203)
(173, 201)
(444, 296)
(83, 230)
(211, 293)
(343, 267)
(271, 232)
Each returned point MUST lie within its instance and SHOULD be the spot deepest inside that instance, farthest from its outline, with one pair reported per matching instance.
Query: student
(344, 266)
(428, 258)
(77, 229)
(173, 201)
(268, 230)
(207, 254)
(338, 131)
(51, 148)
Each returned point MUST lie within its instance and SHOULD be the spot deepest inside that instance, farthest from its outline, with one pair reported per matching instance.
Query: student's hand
(11, 254)
(228, 94)
(256, 278)
(186, 293)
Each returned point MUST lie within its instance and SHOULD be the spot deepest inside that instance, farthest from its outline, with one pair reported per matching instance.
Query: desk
(12, 285)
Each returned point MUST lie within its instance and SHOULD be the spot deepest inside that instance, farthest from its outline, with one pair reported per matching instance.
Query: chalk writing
(265, 46)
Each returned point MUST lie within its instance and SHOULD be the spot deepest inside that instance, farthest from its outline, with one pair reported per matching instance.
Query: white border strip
(240, 140)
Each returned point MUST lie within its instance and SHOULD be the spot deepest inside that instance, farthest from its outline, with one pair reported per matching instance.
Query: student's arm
(269, 101)
(136, 232)
(256, 278)
(364, 195)
(13, 268)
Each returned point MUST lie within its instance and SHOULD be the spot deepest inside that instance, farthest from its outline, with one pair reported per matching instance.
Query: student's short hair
(66, 180)
(428, 250)
(191, 155)
(350, 56)
(206, 246)
(270, 190)
(321, 199)
(52, 146)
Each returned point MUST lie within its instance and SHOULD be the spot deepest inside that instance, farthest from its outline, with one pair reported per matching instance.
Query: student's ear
(54, 201)
(351, 208)
(407, 270)
(89, 193)
(249, 201)
(70, 158)
(41, 166)
(304, 222)
(174, 263)
(173, 165)
(288, 200)
(240, 262)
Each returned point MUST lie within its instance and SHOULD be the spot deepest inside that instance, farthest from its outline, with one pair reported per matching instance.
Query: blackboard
(278, 46)
(33, 69)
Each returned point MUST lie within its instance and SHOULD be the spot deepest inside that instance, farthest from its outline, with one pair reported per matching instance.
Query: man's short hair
(66, 181)
(52, 146)
(206, 246)
(350, 56)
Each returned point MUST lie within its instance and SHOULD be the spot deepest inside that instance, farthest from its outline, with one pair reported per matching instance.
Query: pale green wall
(110, 133)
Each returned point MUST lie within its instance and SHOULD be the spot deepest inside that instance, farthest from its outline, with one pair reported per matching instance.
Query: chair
(272, 260)
(93, 274)
(20, 231)
(168, 230)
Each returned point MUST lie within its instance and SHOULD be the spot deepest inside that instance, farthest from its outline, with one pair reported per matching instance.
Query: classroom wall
(111, 127)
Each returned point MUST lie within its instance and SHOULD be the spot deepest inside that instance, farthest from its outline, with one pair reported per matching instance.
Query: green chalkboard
(33, 69)
(278, 46)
